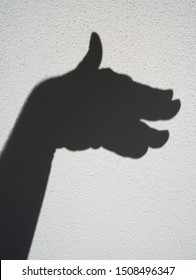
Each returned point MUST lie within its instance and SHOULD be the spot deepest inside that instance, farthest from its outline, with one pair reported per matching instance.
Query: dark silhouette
(84, 108)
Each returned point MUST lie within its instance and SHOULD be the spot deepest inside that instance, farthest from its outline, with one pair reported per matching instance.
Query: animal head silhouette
(93, 107)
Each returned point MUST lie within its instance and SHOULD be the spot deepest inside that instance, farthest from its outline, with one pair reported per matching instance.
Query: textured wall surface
(99, 205)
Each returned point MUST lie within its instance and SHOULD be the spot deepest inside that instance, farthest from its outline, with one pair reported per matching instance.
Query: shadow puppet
(88, 107)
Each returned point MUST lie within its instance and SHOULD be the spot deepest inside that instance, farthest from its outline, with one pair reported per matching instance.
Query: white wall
(99, 205)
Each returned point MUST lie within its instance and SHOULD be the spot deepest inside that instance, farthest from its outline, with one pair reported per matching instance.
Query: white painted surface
(99, 205)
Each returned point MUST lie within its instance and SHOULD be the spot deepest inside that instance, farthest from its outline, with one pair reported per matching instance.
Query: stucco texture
(99, 205)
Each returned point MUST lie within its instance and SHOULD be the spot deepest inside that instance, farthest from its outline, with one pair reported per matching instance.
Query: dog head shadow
(97, 107)
(107, 109)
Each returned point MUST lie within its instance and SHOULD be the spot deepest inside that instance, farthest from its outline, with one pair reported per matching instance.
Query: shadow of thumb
(93, 58)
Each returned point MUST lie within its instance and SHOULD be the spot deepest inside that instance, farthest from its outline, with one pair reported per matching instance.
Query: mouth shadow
(85, 108)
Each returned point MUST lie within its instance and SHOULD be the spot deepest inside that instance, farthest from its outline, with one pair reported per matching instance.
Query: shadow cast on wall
(88, 107)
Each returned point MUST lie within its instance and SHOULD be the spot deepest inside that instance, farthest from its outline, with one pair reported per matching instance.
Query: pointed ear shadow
(92, 59)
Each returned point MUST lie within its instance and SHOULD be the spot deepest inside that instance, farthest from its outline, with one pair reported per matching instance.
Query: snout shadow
(114, 110)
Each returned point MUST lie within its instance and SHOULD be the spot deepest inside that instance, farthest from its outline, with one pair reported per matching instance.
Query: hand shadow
(101, 108)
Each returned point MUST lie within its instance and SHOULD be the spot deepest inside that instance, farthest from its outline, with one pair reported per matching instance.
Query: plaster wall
(99, 205)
